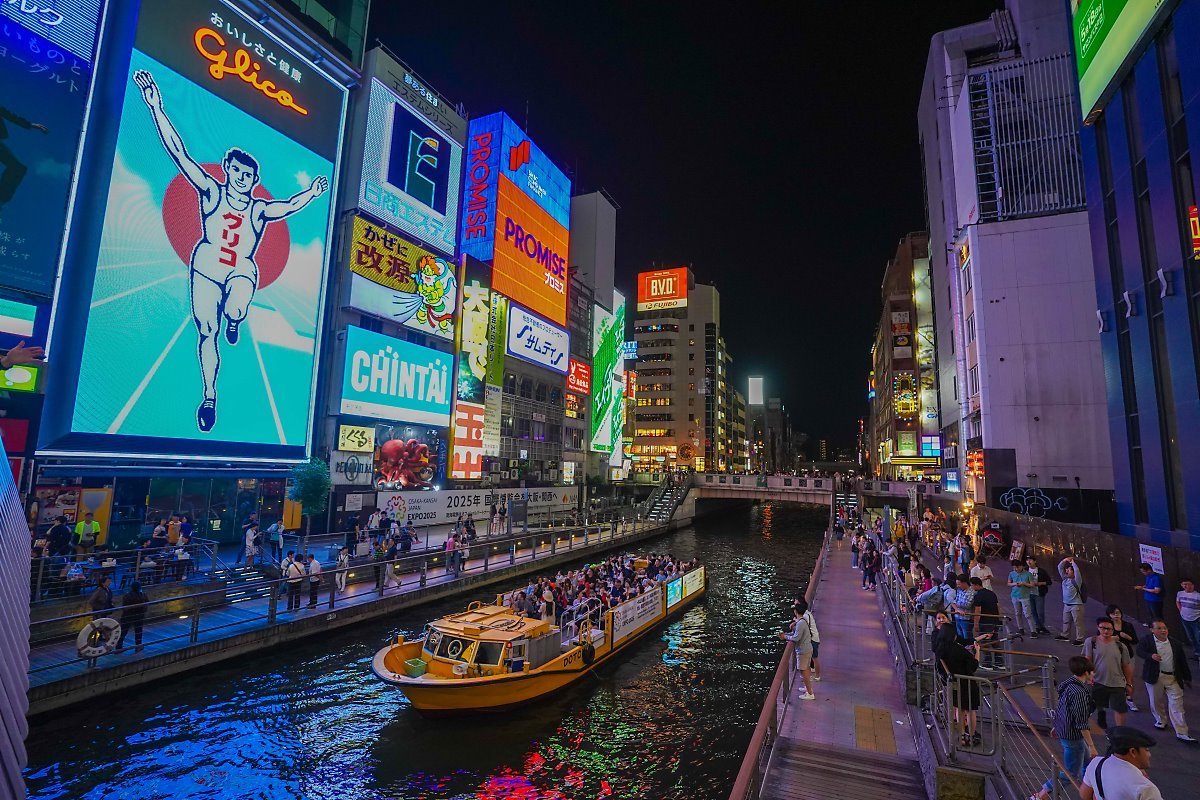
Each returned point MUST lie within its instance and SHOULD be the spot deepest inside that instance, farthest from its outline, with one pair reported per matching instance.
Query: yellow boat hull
(437, 696)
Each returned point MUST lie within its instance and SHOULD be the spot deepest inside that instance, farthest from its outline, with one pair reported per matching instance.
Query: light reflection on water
(670, 719)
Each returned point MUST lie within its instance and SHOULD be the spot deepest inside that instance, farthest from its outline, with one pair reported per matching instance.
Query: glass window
(510, 383)
(523, 428)
(540, 392)
(526, 387)
(489, 653)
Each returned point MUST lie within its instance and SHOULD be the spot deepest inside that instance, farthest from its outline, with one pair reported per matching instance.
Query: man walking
(1071, 723)
(314, 580)
(1021, 584)
(1151, 588)
(1165, 672)
(1114, 672)
(1188, 603)
(1121, 775)
(1037, 598)
(133, 616)
(1074, 601)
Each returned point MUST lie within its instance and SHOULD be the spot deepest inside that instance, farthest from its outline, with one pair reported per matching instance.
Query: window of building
(691, 387)
(510, 383)
(370, 323)
(556, 396)
(691, 356)
(537, 430)
(691, 327)
(553, 433)
(971, 327)
(965, 271)
(691, 401)
(523, 428)
(525, 387)
(506, 425)
(954, 381)
(973, 381)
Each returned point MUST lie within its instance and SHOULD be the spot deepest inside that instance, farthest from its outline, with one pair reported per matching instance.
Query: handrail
(1037, 737)
(746, 784)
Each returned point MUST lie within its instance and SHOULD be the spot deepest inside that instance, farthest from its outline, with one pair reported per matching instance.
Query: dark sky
(774, 151)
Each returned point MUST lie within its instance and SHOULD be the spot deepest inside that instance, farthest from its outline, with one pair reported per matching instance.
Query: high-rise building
(1139, 74)
(1019, 380)
(905, 436)
(683, 418)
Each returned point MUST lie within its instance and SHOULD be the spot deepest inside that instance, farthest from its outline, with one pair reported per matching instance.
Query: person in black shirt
(986, 608)
(59, 537)
(133, 616)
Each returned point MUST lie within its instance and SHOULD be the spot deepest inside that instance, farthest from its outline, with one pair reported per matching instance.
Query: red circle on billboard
(181, 219)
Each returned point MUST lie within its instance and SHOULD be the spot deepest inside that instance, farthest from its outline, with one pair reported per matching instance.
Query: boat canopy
(491, 624)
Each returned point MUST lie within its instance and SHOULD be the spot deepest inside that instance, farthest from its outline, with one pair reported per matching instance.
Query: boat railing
(572, 624)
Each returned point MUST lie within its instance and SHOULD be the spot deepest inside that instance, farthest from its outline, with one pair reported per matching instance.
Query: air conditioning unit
(504, 474)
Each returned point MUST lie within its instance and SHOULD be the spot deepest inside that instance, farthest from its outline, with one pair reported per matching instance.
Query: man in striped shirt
(1071, 715)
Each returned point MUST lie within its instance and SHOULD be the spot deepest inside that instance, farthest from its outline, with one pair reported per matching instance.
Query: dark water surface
(671, 719)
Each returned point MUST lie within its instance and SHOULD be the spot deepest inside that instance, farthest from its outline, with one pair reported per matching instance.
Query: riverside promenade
(176, 642)
(852, 742)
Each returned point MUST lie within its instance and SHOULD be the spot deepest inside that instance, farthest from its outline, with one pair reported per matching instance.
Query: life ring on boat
(98, 638)
(588, 652)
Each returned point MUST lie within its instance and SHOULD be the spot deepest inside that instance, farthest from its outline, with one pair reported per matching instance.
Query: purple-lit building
(1139, 88)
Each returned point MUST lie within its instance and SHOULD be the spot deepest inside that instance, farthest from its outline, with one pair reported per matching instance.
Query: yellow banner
(356, 438)
(384, 257)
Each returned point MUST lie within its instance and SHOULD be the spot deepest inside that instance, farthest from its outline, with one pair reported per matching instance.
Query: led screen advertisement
(662, 288)
(45, 58)
(516, 216)
(1106, 34)
(410, 457)
(579, 377)
(608, 377)
(466, 460)
(537, 341)
(401, 281)
(389, 378)
(617, 378)
(411, 172)
(195, 273)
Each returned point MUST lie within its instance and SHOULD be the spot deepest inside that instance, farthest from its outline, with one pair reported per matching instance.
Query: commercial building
(1139, 81)
(187, 380)
(683, 409)
(1019, 381)
(905, 435)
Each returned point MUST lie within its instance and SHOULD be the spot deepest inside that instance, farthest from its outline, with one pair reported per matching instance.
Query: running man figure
(224, 275)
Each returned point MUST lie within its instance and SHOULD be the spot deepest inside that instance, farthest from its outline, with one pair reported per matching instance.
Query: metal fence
(178, 621)
(55, 577)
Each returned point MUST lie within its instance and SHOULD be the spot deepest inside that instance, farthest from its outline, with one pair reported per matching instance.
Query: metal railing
(196, 610)
(56, 577)
(757, 761)
(1011, 744)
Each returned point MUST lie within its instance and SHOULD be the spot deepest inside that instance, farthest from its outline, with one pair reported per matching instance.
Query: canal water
(671, 719)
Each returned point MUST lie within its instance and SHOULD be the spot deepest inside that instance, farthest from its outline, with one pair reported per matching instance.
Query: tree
(310, 488)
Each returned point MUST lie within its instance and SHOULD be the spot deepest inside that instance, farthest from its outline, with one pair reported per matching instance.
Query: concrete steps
(808, 771)
(238, 584)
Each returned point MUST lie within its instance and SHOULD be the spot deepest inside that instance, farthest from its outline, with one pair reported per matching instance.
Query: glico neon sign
(243, 66)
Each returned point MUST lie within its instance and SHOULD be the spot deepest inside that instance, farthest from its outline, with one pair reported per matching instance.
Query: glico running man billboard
(45, 58)
(516, 215)
(410, 172)
(200, 239)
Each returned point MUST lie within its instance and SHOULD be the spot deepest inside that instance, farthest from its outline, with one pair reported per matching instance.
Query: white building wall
(1040, 372)
(593, 250)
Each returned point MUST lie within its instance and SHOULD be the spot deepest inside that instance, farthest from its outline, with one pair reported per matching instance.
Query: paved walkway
(58, 660)
(854, 739)
(1175, 765)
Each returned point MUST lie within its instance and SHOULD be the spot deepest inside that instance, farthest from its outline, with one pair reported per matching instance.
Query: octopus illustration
(404, 465)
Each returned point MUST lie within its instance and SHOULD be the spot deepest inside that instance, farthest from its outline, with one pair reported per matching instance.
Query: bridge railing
(764, 482)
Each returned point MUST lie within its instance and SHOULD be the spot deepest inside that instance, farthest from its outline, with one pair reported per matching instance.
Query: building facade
(1140, 95)
(905, 435)
(1019, 383)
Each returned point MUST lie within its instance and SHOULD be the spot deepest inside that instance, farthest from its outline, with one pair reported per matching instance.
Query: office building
(1145, 237)
(1020, 390)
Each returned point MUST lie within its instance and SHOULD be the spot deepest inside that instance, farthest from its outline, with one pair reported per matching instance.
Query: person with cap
(1121, 775)
(1165, 672)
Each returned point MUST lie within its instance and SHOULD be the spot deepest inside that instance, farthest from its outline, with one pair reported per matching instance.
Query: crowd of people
(596, 587)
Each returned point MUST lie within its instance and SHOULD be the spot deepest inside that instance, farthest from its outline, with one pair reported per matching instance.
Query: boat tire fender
(588, 652)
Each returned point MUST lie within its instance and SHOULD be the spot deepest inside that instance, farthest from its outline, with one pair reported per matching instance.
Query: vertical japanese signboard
(470, 394)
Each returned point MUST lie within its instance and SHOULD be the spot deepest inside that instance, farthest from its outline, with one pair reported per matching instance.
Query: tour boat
(488, 658)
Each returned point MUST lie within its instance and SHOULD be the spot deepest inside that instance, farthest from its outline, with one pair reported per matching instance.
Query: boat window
(454, 648)
(433, 637)
(489, 653)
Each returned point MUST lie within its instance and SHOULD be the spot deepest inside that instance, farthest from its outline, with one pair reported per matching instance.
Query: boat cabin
(487, 640)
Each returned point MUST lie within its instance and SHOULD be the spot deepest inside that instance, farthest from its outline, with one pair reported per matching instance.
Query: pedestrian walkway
(1175, 765)
(854, 740)
(57, 661)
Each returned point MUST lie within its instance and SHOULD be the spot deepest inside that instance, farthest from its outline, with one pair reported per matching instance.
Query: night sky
(774, 151)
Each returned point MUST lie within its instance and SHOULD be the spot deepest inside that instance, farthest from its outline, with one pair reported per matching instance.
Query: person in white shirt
(1188, 603)
(982, 571)
(293, 574)
(314, 580)
(251, 547)
(343, 568)
(1120, 775)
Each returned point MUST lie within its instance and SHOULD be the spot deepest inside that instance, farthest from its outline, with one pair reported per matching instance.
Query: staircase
(239, 584)
(663, 504)
(811, 771)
